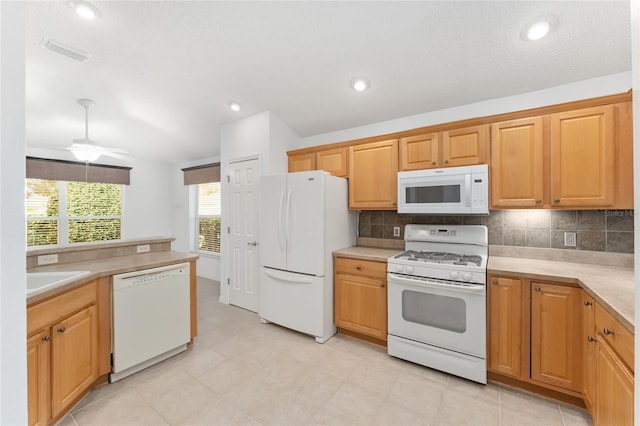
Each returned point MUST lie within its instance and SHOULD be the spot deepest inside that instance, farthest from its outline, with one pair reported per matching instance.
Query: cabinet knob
(46, 338)
(358, 267)
(591, 339)
(446, 161)
(537, 289)
(62, 329)
(607, 332)
(494, 282)
(557, 200)
(538, 201)
(587, 303)
(433, 163)
(382, 285)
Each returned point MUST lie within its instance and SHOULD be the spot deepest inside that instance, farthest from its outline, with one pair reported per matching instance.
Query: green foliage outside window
(209, 234)
(92, 212)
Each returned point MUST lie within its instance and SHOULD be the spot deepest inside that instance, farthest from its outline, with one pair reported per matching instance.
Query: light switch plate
(47, 259)
(143, 248)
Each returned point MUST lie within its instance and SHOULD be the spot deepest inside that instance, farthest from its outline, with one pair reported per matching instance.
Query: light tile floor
(242, 372)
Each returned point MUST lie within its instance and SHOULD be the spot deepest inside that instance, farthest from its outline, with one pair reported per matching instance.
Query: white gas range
(437, 299)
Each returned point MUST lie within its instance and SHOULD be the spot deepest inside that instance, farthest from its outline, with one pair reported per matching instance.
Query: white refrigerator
(304, 217)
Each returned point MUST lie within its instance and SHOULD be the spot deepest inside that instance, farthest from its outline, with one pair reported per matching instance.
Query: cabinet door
(516, 163)
(583, 157)
(302, 162)
(333, 161)
(419, 152)
(38, 377)
(506, 326)
(588, 351)
(373, 175)
(464, 147)
(614, 389)
(361, 305)
(556, 324)
(74, 357)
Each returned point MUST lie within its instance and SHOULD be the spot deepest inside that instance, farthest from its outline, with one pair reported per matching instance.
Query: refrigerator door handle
(288, 277)
(286, 220)
(281, 240)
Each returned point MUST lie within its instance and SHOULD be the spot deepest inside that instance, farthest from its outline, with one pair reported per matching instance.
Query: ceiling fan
(86, 149)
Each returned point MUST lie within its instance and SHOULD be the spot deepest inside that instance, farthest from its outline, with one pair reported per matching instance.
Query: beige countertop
(106, 267)
(611, 286)
(367, 253)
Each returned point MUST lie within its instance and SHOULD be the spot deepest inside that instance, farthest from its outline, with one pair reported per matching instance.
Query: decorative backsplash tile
(596, 230)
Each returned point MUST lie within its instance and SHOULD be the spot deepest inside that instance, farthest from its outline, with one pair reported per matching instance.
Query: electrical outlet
(569, 239)
(47, 259)
(396, 231)
(143, 248)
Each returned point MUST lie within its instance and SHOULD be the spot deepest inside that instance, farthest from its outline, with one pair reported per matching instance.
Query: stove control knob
(399, 268)
(409, 269)
(454, 275)
(466, 276)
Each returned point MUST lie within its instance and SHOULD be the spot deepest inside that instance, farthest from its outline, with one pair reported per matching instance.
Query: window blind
(43, 168)
(205, 173)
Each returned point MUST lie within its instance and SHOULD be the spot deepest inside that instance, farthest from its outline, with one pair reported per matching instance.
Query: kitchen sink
(37, 281)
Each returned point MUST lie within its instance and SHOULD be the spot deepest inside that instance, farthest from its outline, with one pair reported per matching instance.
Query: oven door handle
(473, 289)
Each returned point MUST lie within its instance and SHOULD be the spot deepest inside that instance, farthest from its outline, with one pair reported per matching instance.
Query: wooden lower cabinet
(67, 349)
(555, 339)
(556, 326)
(38, 377)
(614, 388)
(588, 351)
(506, 337)
(361, 297)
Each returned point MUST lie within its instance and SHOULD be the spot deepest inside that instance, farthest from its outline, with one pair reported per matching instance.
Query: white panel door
(273, 243)
(243, 238)
(305, 223)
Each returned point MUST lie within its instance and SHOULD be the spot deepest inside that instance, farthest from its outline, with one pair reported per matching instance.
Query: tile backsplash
(596, 230)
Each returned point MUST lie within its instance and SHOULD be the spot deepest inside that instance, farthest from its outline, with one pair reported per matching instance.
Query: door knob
(252, 243)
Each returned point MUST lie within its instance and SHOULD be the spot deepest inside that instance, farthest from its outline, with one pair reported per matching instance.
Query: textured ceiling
(162, 72)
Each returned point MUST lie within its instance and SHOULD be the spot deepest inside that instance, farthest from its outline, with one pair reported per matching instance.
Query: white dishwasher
(150, 316)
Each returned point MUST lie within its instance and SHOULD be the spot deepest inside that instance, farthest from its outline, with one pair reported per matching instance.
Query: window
(208, 218)
(63, 212)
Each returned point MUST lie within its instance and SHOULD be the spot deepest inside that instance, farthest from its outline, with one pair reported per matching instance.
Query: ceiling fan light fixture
(85, 152)
(84, 9)
(360, 84)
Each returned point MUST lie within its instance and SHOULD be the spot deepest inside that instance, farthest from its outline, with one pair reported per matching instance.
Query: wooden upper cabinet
(517, 174)
(373, 175)
(333, 161)
(506, 323)
(465, 146)
(420, 152)
(302, 162)
(583, 151)
(556, 327)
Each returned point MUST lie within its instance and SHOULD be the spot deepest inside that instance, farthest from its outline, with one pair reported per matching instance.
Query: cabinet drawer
(361, 267)
(52, 310)
(616, 335)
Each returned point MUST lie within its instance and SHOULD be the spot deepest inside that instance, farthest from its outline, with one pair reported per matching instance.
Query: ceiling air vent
(60, 48)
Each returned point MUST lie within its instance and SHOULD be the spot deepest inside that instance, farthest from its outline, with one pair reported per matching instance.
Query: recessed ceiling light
(234, 106)
(360, 84)
(537, 29)
(84, 9)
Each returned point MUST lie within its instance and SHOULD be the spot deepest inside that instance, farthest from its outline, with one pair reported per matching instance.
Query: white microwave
(453, 190)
